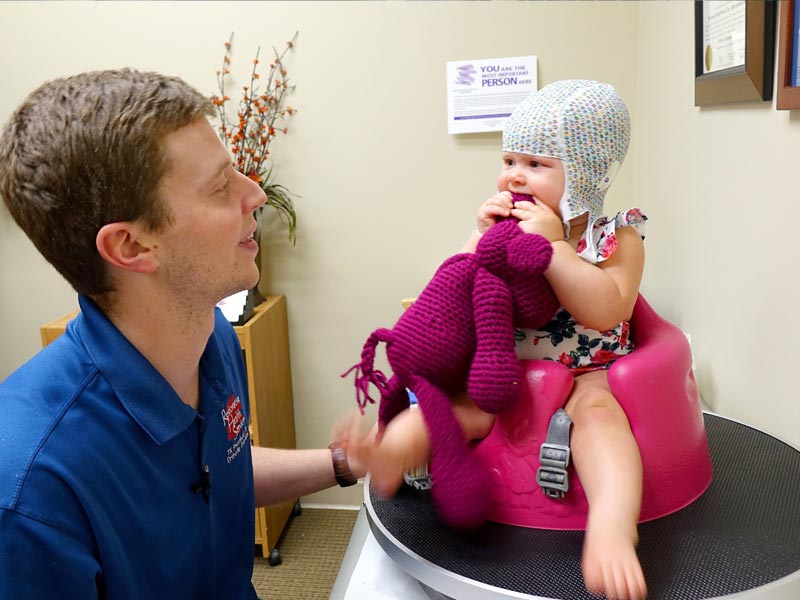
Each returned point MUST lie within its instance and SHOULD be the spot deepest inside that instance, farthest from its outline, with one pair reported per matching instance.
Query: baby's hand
(498, 206)
(537, 217)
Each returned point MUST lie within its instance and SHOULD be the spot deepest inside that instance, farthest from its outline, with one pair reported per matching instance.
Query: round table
(740, 539)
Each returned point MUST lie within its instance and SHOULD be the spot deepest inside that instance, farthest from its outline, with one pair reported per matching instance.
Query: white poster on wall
(482, 93)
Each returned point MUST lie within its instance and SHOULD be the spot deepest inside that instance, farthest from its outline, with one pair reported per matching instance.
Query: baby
(562, 148)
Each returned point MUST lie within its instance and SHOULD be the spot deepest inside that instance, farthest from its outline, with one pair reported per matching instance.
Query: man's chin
(249, 281)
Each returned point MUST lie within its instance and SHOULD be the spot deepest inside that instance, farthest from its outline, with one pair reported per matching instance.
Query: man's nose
(253, 196)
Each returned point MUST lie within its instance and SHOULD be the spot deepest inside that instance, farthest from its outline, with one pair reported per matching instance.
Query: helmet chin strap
(563, 205)
(602, 187)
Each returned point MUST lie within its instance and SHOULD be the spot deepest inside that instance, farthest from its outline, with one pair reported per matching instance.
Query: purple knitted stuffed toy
(461, 330)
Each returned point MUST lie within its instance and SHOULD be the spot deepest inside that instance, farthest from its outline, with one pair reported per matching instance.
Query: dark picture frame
(751, 81)
(788, 95)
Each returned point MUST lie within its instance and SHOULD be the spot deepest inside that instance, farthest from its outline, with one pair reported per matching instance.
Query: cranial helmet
(583, 123)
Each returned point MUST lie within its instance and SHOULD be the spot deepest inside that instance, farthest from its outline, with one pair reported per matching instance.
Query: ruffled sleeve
(600, 240)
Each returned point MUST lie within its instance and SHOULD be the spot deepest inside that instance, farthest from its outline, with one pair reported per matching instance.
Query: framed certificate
(788, 91)
(734, 56)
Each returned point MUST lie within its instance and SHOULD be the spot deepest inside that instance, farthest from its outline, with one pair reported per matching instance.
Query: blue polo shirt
(111, 486)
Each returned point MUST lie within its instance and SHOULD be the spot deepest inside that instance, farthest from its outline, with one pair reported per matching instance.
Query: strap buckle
(554, 457)
(552, 475)
(418, 478)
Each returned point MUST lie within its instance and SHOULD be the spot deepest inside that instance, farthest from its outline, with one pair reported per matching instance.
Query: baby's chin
(517, 197)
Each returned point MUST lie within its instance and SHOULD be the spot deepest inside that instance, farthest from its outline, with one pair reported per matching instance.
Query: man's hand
(357, 441)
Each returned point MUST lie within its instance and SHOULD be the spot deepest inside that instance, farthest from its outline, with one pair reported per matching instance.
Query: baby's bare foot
(610, 565)
(386, 471)
(404, 445)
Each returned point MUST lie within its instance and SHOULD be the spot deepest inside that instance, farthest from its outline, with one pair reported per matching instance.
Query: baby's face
(539, 176)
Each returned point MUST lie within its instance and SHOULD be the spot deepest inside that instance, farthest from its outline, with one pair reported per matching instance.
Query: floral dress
(565, 340)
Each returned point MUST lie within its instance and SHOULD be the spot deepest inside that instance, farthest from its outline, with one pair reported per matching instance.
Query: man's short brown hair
(85, 151)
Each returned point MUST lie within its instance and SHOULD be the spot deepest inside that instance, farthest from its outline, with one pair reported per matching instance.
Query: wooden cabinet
(265, 349)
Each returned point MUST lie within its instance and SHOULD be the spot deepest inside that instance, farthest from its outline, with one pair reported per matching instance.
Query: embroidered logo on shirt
(232, 416)
(233, 419)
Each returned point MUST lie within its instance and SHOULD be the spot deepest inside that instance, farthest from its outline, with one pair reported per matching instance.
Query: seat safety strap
(554, 456)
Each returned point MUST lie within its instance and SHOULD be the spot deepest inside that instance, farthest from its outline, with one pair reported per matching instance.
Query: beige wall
(721, 188)
(387, 194)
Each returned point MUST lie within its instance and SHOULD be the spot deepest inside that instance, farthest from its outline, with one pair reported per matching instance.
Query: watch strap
(341, 468)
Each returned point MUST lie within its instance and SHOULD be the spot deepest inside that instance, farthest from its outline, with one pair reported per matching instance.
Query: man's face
(207, 252)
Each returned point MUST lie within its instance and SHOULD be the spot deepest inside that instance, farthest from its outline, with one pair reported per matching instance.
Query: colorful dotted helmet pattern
(583, 123)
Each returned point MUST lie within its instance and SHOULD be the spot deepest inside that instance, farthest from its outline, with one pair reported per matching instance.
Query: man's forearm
(281, 475)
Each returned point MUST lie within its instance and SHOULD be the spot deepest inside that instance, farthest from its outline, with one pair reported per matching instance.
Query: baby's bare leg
(606, 457)
(405, 443)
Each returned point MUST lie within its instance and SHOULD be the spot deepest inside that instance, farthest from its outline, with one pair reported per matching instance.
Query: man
(114, 478)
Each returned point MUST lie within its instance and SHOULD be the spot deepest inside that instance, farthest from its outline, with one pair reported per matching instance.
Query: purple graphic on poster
(465, 74)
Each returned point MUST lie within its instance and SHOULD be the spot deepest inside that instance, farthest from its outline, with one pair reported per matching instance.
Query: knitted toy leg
(461, 491)
(495, 375)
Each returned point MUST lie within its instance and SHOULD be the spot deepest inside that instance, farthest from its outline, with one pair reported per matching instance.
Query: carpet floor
(311, 548)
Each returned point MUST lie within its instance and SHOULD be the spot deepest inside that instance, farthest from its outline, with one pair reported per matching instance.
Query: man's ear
(123, 245)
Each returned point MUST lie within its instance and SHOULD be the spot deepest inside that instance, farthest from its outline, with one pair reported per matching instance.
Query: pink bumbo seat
(656, 388)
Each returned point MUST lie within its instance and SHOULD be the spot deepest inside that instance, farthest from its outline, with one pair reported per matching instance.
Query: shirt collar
(141, 389)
